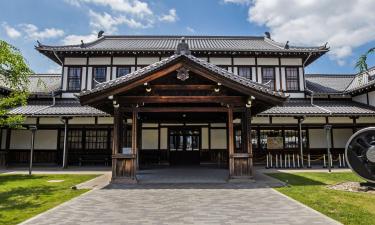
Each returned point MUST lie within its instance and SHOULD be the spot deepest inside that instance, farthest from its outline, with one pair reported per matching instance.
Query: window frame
(244, 66)
(93, 83)
(286, 79)
(274, 76)
(118, 67)
(68, 78)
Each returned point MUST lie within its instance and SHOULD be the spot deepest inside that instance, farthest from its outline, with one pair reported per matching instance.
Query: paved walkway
(183, 203)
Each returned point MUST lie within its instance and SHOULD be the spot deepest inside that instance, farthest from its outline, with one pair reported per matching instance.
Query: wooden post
(115, 139)
(230, 141)
(134, 140)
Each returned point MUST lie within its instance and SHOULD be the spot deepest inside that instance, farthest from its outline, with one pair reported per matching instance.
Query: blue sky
(348, 28)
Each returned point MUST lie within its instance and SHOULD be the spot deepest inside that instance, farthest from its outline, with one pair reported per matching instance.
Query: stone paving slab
(224, 203)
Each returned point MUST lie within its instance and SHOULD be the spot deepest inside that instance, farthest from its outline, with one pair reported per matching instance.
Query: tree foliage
(362, 61)
(14, 73)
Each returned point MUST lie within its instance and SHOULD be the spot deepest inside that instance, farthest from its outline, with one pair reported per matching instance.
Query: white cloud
(170, 17)
(11, 31)
(190, 29)
(135, 7)
(104, 21)
(76, 39)
(33, 32)
(343, 24)
(244, 2)
(54, 70)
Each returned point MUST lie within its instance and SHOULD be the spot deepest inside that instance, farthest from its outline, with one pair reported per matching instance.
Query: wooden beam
(191, 87)
(176, 109)
(91, 98)
(230, 141)
(134, 141)
(182, 99)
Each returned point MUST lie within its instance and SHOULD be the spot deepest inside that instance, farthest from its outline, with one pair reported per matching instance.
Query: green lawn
(23, 196)
(346, 207)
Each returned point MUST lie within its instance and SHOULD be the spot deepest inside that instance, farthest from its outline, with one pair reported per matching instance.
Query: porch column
(123, 159)
(241, 163)
(65, 120)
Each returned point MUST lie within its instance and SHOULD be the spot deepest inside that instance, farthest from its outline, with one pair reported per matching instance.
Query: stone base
(124, 180)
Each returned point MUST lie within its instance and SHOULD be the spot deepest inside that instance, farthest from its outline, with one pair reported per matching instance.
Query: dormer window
(74, 79)
(268, 77)
(291, 76)
(99, 75)
(122, 71)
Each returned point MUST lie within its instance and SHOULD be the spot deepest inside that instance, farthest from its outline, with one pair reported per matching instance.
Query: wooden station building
(139, 101)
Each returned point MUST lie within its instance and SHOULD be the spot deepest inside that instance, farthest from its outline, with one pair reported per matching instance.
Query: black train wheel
(360, 153)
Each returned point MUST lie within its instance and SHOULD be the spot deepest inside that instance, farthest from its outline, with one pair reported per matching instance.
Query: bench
(94, 159)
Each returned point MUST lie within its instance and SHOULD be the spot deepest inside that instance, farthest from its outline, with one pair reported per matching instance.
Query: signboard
(274, 143)
(126, 151)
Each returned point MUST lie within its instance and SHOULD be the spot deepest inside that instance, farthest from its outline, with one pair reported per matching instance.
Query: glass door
(184, 146)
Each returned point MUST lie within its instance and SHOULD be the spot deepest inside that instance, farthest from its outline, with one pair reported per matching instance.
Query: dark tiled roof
(328, 83)
(362, 81)
(300, 107)
(167, 61)
(169, 43)
(66, 107)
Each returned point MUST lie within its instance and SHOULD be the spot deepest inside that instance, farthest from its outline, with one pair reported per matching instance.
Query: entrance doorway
(184, 146)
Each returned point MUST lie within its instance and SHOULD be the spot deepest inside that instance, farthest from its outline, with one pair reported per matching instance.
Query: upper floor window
(245, 71)
(99, 75)
(74, 79)
(268, 77)
(291, 76)
(122, 71)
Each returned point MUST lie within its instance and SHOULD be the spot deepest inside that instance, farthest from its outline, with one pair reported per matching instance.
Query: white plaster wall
(284, 120)
(203, 58)
(296, 95)
(291, 61)
(82, 120)
(89, 78)
(218, 138)
(46, 139)
(100, 61)
(301, 80)
(105, 120)
(149, 139)
(340, 137)
(74, 61)
(235, 70)
(123, 60)
(65, 78)
(340, 120)
(49, 120)
(230, 69)
(254, 74)
(114, 71)
(218, 125)
(204, 138)
(220, 61)
(108, 75)
(277, 78)
(314, 120)
(147, 60)
(366, 120)
(163, 138)
(283, 80)
(260, 75)
(68, 95)
(20, 139)
(132, 69)
(244, 61)
(150, 125)
(83, 80)
(360, 98)
(29, 120)
(260, 120)
(268, 61)
(317, 138)
(371, 98)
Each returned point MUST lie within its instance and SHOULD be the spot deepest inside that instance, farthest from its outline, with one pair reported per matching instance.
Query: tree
(14, 73)
(362, 61)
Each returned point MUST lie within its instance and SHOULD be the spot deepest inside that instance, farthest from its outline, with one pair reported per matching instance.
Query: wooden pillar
(134, 140)
(115, 139)
(230, 141)
(240, 163)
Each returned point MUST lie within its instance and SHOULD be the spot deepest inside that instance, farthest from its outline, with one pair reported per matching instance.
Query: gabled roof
(341, 84)
(328, 83)
(166, 45)
(220, 72)
(334, 107)
(40, 84)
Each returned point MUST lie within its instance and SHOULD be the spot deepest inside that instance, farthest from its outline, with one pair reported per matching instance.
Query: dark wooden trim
(111, 69)
(230, 141)
(256, 69)
(87, 72)
(280, 75)
(176, 109)
(234, 100)
(183, 87)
